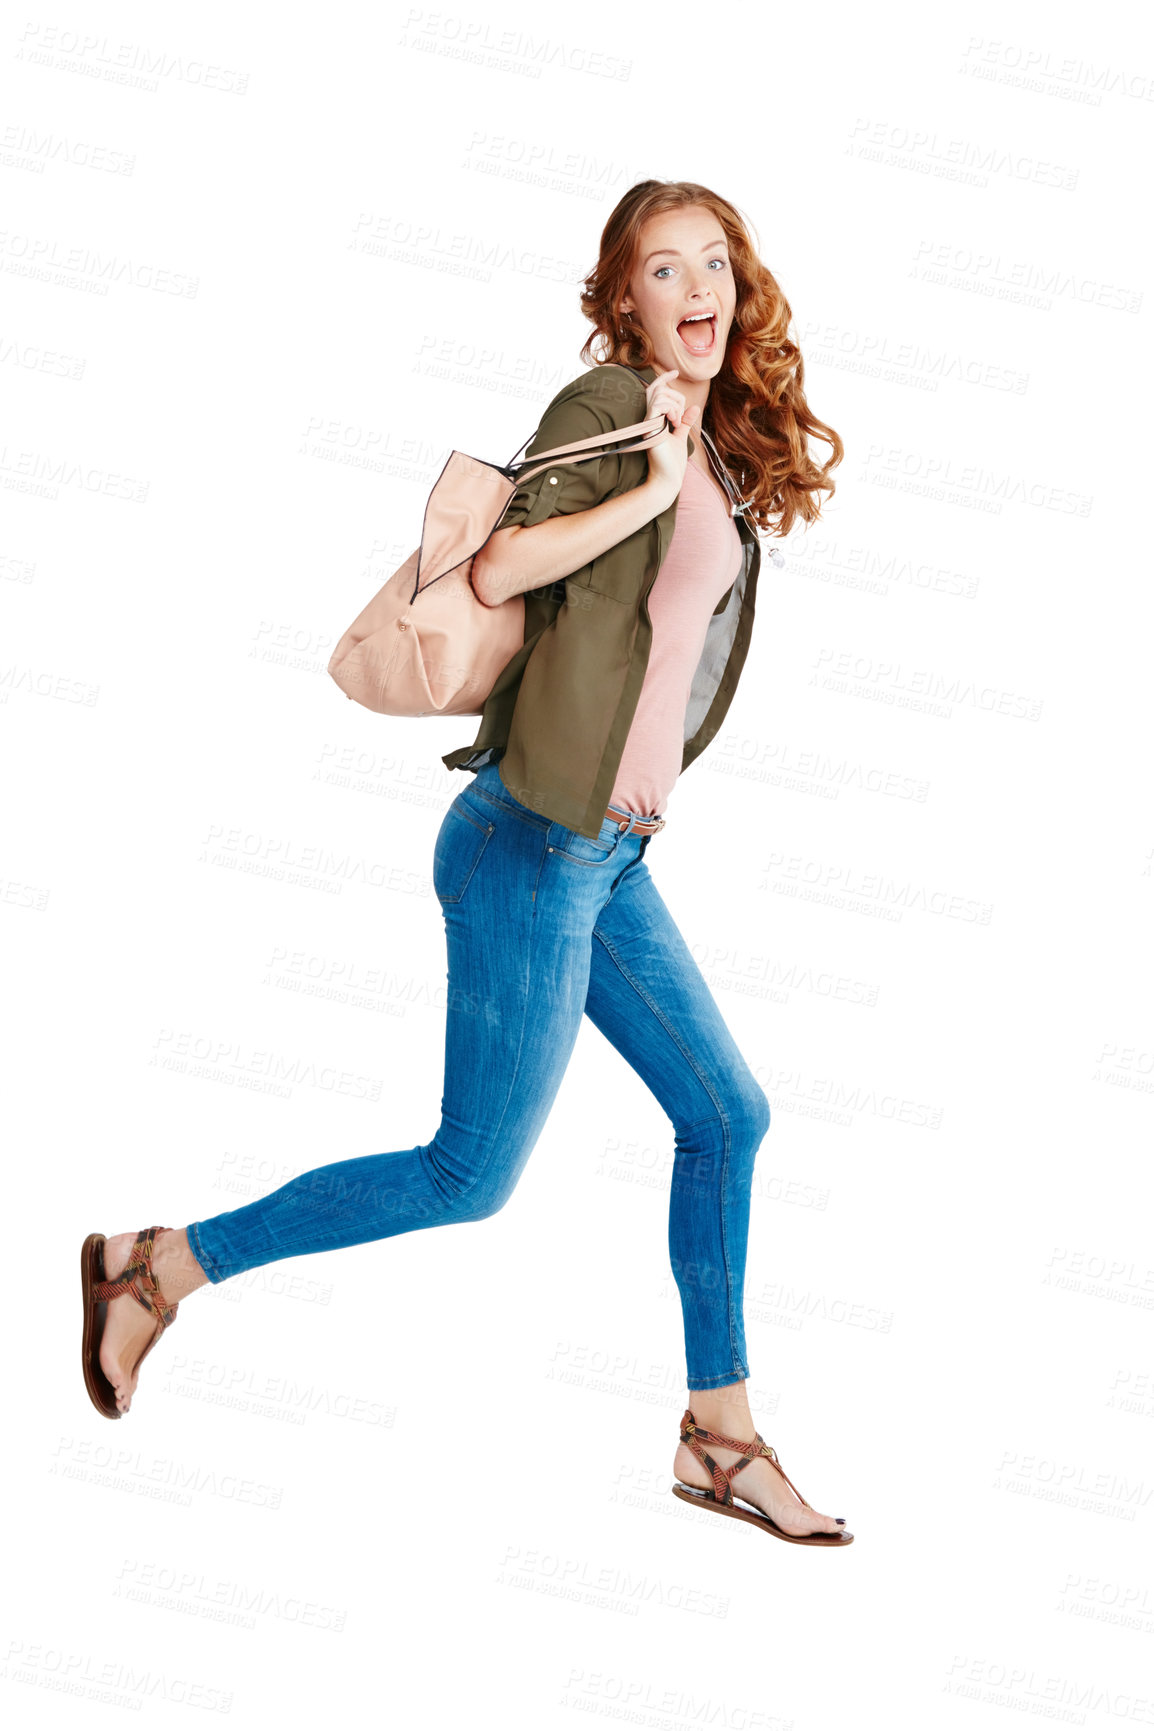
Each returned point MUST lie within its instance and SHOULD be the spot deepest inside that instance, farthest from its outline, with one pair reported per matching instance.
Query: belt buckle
(659, 824)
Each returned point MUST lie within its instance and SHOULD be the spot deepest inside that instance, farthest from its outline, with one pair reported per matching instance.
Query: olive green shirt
(559, 713)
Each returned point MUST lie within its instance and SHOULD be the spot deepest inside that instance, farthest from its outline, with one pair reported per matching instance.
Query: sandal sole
(702, 1500)
(100, 1390)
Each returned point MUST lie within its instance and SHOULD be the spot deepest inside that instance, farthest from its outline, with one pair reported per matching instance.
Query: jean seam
(462, 809)
(721, 1114)
(206, 1261)
(684, 1129)
(702, 1384)
(504, 805)
(460, 1195)
(595, 864)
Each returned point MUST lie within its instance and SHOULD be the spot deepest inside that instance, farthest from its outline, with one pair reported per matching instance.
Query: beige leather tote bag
(425, 645)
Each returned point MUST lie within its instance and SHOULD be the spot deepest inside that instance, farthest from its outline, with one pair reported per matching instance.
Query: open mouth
(698, 334)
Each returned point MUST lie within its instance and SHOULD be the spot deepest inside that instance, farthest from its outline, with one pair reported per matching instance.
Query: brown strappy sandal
(136, 1277)
(720, 1499)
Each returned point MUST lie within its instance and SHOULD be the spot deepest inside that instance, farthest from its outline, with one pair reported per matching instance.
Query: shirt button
(552, 480)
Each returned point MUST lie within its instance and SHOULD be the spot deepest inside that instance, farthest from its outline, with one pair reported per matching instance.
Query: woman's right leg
(520, 897)
(518, 972)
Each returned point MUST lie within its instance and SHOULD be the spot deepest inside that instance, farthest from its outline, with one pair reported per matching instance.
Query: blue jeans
(543, 926)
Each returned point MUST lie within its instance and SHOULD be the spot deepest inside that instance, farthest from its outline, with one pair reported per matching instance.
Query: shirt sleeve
(578, 413)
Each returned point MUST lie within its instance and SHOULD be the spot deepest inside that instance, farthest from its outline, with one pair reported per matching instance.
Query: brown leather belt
(640, 825)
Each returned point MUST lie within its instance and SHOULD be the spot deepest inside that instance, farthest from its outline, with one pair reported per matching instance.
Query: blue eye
(662, 267)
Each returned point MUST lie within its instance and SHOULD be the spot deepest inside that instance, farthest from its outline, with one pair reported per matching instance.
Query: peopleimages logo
(477, 39)
(213, 1059)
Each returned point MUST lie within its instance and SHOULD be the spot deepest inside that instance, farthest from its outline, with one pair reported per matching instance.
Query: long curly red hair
(756, 413)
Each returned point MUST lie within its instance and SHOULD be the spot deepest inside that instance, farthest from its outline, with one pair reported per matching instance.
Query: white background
(261, 271)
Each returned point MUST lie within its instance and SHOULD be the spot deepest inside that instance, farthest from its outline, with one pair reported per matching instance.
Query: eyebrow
(709, 245)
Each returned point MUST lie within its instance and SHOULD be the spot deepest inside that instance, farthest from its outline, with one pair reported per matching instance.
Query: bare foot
(760, 1484)
(128, 1327)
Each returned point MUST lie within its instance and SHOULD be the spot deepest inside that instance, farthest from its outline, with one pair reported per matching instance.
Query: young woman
(639, 571)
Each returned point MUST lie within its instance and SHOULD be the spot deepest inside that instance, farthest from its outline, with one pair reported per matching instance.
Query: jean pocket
(461, 840)
(571, 845)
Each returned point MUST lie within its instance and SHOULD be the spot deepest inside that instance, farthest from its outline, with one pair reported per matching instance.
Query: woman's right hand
(668, 457)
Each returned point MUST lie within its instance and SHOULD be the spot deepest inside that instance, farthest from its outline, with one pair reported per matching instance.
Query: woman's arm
(519, 558)
(567, 518)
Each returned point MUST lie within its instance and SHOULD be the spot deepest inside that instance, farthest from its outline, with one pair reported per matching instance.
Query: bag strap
(599, 444)
(602, 444)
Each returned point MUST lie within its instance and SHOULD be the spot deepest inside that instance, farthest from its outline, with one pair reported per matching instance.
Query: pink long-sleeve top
(702, 562)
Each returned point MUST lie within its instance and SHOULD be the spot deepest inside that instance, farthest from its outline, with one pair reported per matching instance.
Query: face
(683, 269)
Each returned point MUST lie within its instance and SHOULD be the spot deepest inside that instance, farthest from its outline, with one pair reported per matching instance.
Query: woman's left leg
(650, 999)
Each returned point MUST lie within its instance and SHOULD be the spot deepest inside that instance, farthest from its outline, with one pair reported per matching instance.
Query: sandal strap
(693, 1434)
(772, 1453)
(138, 1278)
(721, 1492)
